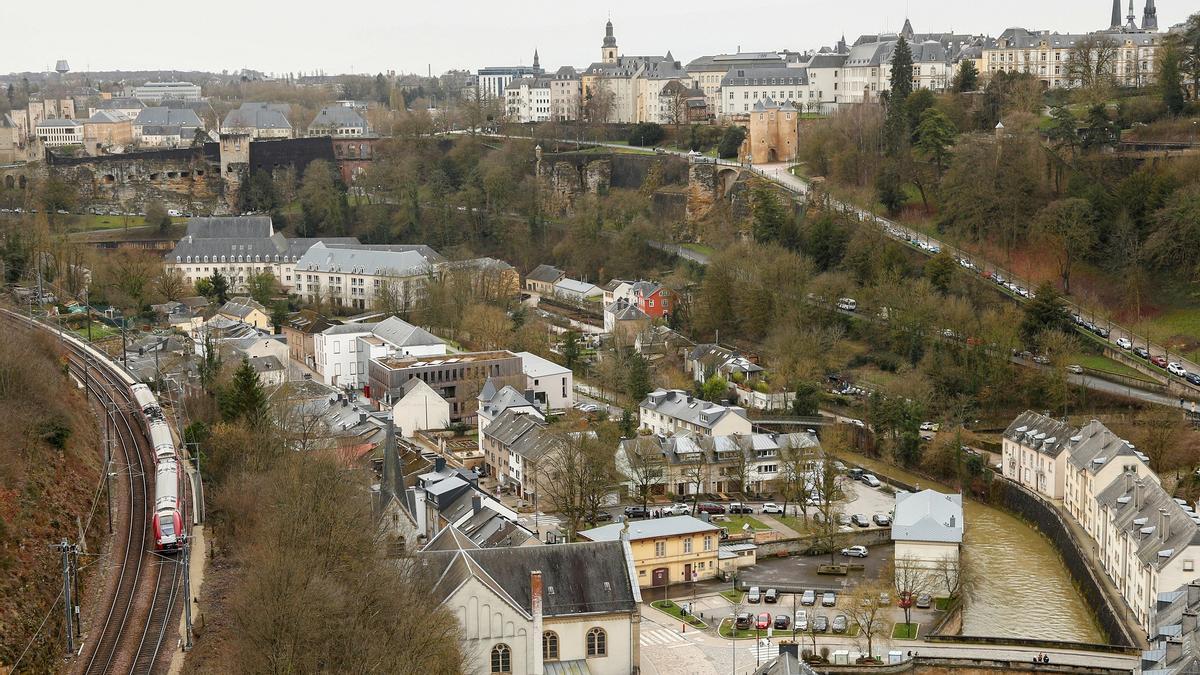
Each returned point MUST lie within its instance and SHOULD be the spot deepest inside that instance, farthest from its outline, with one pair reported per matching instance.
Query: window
(660, 548)
(687, 545)
(501, 659)
(550, 645)
(708, 541)
(1188, 565)
(597, 644)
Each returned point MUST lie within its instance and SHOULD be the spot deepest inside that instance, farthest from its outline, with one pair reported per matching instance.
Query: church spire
(1116, 15)
(1150, 16)
(1131, 18)
(535, 59)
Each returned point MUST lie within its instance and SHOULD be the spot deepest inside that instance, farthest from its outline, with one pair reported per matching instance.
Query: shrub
(645, 134)
(731, 142)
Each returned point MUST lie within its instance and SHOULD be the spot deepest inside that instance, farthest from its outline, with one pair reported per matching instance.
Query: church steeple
(1131, 18)
(907, 32)
(535, 59)
(1150, 16)
(608, 52)
(1116, 16)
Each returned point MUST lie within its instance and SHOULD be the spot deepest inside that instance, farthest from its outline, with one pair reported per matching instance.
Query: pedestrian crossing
(661, 637)
(765, 650)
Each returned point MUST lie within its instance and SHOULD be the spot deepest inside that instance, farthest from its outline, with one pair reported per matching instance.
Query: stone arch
(22, 181)
(109, 179)
(726, 178)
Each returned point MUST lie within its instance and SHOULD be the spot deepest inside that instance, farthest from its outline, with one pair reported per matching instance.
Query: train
(167, 522)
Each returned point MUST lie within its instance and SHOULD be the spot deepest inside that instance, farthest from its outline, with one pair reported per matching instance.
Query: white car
(678, 509)
(847, 304)
(1075, 368)
(1124, 343)
(772, 507)
(1176, 369)
(855, 551)
(871, 480)
(930, 426)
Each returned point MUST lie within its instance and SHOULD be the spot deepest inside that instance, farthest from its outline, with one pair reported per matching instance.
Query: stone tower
(1116, 16)
(536, 66)
(608, 52)
(1131, 19)
(1150, 16)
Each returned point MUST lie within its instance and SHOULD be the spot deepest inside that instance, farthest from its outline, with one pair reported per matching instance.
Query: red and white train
(167, 523)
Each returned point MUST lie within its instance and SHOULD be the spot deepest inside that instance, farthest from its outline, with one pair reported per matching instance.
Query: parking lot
(800, 572)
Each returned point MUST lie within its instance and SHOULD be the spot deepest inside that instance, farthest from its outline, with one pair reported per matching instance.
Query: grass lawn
(673, 609)
(1183, 323)
(905, 631)
(1096, 362)
(735, 522)
(942, 604)
(798, 524)
(699, 248)
(88, 222)
(733, 596)
(726, 631)
(99, 331)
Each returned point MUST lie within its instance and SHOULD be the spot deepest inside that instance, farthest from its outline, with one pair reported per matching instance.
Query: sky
(370, 36)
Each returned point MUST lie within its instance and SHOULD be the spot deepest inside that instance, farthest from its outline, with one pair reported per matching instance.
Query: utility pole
(187, 593)
(75, 594)
(68, 605)
(108, 415)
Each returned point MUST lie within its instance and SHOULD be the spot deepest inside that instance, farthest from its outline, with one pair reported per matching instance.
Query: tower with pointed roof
(536, 65)
(608, 52)
(907, 31)
(1131, 19)
(1116, 16)
(1150, 16)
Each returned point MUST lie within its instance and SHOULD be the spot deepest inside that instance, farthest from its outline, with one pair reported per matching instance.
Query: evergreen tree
(967, 78)
(934, 137)
(637, 381)
(279, 313)
(220, 287)
(896, 129)
(902, 69)
(731, 141)
(1170, 76)
(570, 349)
(244, 400)
(1045, 312)
(770, 215)
(210, 365)
(628, 424)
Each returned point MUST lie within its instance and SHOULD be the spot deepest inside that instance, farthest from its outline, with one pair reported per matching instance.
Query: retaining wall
(966, 666)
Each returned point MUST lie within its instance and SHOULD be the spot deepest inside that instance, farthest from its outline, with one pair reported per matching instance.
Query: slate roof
(827, 61)
(1174, 622)
(105, 117)
(577, 578)
(349, 328)
(265, 364)
(426, 252)
(577, 287)
(1095, 447)
(242, 307)
(56, 122)
(502, 400)
(320, 257)
(307, 321)
(1020, 38)
(928, 516)
(1045, 434)
(401, 333)
(680, 405)
(626, 311)
(1139, 509)
(338, 117)
(162, 116)
(119, 103)
(781, 76)
(546, 273)
(654, 528)
(723, 62)
(258, 116)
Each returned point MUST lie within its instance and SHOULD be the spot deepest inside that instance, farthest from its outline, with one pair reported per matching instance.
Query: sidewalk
(776, 525)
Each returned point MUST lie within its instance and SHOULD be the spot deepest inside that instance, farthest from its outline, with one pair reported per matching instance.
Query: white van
(847, 304)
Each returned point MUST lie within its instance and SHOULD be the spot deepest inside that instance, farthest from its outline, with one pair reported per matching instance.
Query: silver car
(809, 598)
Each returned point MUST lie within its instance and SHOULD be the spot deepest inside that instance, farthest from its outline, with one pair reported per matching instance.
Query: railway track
(141, 605)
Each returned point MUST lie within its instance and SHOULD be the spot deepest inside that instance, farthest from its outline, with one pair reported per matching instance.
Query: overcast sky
(411, 35)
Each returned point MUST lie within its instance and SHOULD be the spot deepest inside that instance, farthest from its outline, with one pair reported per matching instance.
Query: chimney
(1189, 622)
(439, 464)
(1164, 524)
(476, 503)
(535, 606)
(1128, 478)
(1137, 494)
(1174, 650)
(790, 647)
(362, 417)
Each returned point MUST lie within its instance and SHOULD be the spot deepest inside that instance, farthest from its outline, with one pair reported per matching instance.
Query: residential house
(340, 122)
(1095, 458)
(248, 311)
(106, 129)
(336, 354)
(666, 412)
(493, 401)
(505, 440)
(927, 528)
(527, 99)
(1032, 453)
(674, 550)
(624, 321)
(531, 610)
(552, 385)
(661, 342)
(448, 498)
(1174, 638)
(161, 121)
(257, 346)
(299, 331)
(358, 276)
(458, 378)
(270, 370)
(566, 95)
(1149, 543)
(576, 291)
(419, 408)
(259, 120)
(542, 279)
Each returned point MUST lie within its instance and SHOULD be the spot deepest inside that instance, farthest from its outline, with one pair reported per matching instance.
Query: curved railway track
(140, 605)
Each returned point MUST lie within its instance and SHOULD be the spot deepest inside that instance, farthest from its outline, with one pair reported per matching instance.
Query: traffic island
(906, 631)
(676, 612)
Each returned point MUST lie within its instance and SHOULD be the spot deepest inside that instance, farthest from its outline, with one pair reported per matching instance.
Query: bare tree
(642, 462)
(171, 284)
(827, 493)
(575, 476)
(953, 575)
(912, 578)
(695, 472)
(866, 611)
(599, 103)
(1092, 66)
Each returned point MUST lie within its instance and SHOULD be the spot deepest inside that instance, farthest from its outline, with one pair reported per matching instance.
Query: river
(1022, 587)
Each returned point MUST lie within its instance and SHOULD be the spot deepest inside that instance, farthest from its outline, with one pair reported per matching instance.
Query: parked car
(1193, 378)
(843, 520)
(772, 595)
(885, 599)
(1075, 368)
(1160, 361)
(855, 551)
(678, 509)
(820, 623)
(1124, 343)
(828, 599)
(772, 507)
(930, 426)
(783, 622)
(924, 601)
(764, 621)
(1142, 352)
(882, 519)
(855, 474)
(801, 620)
(838, 465)
(637, 512)
(1176, 369)
(754, 595)
(861, 520)
(839, 623)
(871, 480)
(847, 304)
(738, 507)
(1102, 332)
(710, 507)
(808, 598)
(743, 621)
(1041, 360)
(602, 517)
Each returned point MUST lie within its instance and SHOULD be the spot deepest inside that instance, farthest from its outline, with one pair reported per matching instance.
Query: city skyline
(414, 40)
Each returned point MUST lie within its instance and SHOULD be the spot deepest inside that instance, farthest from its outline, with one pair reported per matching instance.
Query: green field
(1096, 362)
(1184, 323)
(699, 248)
(88, 222)
(905, 631)
(733, 596)
(798, 524)
(734, 523)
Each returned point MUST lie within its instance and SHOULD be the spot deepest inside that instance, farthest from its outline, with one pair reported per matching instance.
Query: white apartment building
(155, 92)
(528, 99)
(336, 356)
(1046, 55)
(552, 385)
(494, 80)
(1096, 457)
(60, 132)
(566, 92)
(1033, 454)
(741, 88)
(707, 72)
(668, 412)
(928, 530)
(351, 277)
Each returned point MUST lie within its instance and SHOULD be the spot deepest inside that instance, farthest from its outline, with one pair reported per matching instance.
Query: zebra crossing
(764, 650)
(661, 637)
